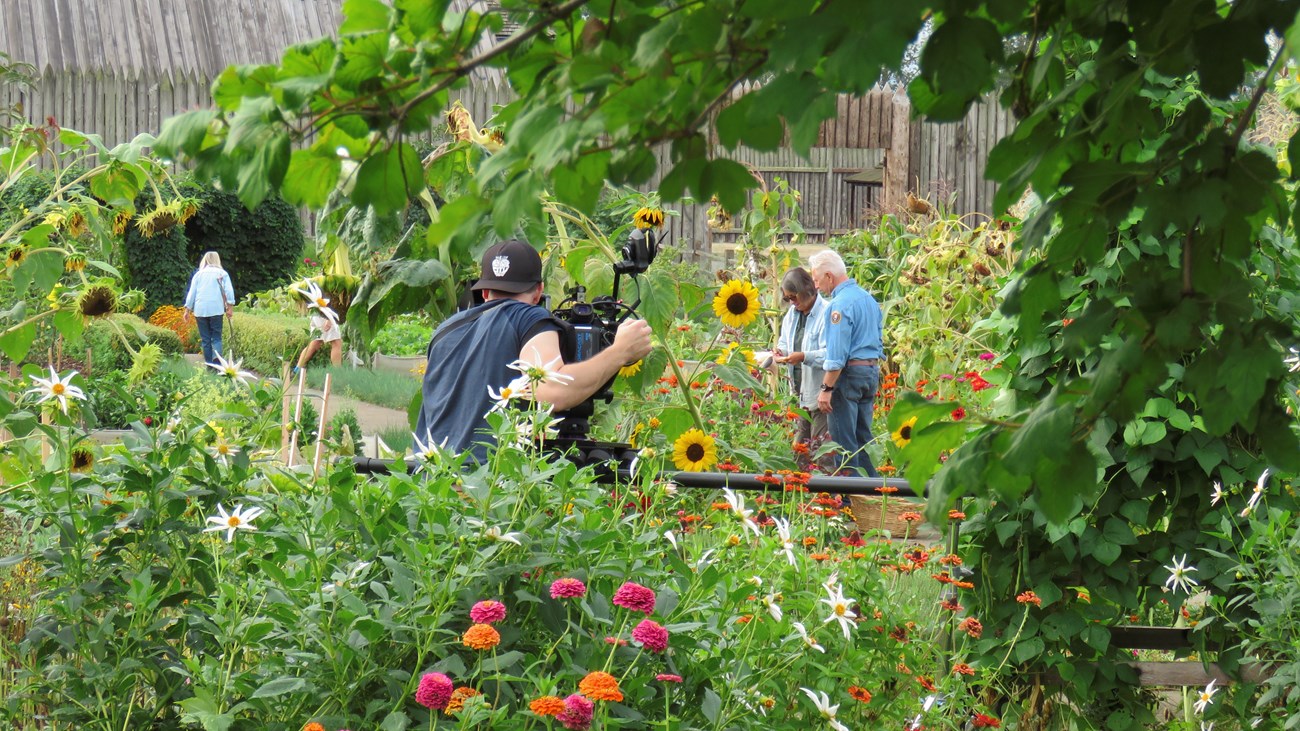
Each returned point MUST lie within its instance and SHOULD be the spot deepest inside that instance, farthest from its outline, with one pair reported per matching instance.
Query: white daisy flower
(238, 519)
(840, 609)
(1206, 697)
(518, 388)
(1256, 493)
(807, 638)
(1179, 578)
(824, 707)
(773, 608)
(317, 299)
(230, 369)
(224, 450)
(60, 389)
(783, 534)
(535, 372)
(1292, 361)
(737, 505)
(1217, 494)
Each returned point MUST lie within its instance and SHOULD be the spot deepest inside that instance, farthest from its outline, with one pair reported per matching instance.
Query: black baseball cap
(512, 266)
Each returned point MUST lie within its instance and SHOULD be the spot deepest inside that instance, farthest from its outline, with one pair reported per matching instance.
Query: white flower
(316, 299)
(671, 538)
(1207, 726)
(1293, 361)
(224, 450)
(1217, 494)
(824, 707)
(535, 426)
(534, 372)
(774, 609)
(238, 519)
(57, 388)
(428, 450)
(518, 388)
(1178, 576)
(840, 609)
(807, 638)
(787, 543)
(756, 580)
(494, 533)
(1256, 493)
(1206, 697)
(230, 369)
(738, 509)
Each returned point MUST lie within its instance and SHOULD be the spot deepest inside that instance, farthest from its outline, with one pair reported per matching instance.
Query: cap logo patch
(501, 265)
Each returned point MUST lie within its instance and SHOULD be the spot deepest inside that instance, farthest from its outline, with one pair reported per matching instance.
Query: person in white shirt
(801, 346)
(329, 333)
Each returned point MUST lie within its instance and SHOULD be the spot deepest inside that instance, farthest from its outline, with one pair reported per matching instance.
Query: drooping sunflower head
(160, 220)
(187, 207)
(97, 300)
(83, 458)
(736, 303)
(15, 256)
(903, 435)
(121, 220)
(630, 369)
(694, 451)
(648, 218)
(132, 300)
(74, 262)
(145, 363)
(76, 223)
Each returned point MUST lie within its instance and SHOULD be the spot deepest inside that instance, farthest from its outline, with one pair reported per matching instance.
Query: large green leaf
(388, 179)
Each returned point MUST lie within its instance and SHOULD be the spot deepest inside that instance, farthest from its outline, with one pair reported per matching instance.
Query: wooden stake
(297, 416)
(88, 363)
(284, 412)
(320, 430)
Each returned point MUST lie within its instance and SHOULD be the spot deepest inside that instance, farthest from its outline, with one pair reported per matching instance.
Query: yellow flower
(98, 300)
(649, 218)
(74, 262)
(904, 434)
(82, 459)
(694, 451)
(121, 219)
(630, 369)
(736, 304)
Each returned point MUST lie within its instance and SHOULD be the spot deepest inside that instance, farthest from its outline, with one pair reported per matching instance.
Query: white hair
(827, 260)
(210, 259)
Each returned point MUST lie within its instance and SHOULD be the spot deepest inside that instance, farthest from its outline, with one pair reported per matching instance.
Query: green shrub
(206, 394)
(260, 248)
(158, 264)
(104, 339)
(348, 418)
(263, 341)
(404, 335)
(114, 402)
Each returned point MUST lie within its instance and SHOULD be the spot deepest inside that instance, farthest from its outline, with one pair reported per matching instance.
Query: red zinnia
(487, 612)
(958, 414)
(983, 721)
(434, 691)
(635, 597)
(651, 635)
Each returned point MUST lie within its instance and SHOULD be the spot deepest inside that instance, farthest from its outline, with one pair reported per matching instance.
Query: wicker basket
(878, 513)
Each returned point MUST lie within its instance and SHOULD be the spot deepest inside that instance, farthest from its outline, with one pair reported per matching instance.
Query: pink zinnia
(434, 691)
(487, 612)
(666, 678)
(635, 597)
(651, 635)
(567, 588)
(987, 356)
(616, 641)
(577, 713)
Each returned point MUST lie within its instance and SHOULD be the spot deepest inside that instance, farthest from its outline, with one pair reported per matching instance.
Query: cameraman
(472, 350)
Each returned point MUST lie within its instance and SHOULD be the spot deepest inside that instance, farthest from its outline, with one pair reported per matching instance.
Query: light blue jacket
(853, 326)
(204, 297)
(813, 348)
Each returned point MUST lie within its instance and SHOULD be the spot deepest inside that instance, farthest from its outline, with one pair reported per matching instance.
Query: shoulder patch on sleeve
(835, 317)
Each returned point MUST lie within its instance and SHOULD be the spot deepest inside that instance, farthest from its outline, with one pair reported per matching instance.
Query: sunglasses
(791, 298)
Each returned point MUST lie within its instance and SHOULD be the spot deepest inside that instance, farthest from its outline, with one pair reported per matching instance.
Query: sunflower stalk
(685, 386)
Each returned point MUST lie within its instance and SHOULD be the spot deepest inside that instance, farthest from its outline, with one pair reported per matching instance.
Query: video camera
(589, 327)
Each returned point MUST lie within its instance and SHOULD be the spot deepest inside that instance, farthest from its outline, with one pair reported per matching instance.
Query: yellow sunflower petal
(694, 451)
(736, 303)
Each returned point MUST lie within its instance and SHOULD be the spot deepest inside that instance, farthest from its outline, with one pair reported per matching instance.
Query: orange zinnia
(547, 705)
(481, 637)
(860, 693)
(600, 686)
(458, 698)
(313, 726)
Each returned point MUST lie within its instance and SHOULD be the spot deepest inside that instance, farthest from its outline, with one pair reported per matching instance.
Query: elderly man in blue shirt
(854, 353)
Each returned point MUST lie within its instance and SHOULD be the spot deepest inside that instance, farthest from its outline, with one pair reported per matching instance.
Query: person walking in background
(210, 297)
(854, 352)
(802, 347)
(329, 333)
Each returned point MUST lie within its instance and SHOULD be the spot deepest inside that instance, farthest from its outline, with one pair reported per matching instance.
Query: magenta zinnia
(487, 612)
(577, 713)
(651, 635)
(567, 588)
(635, 597)
(434, 691)
(668, 678)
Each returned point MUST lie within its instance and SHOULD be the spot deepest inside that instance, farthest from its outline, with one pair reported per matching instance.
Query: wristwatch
(827, 389)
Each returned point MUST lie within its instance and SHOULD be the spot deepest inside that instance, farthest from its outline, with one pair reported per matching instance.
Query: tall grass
(382, 388)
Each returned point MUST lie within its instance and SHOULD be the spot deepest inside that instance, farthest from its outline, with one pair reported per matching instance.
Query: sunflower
(131, 300)
(121, 220)
(903, 436)
(694, 451)
(82, 459)
(648, 218)
(187, 208)
(97, 300)
(736, 304)
(145, 363)
(15, 256)
(631, 369)
(160, 220)
(74, 262)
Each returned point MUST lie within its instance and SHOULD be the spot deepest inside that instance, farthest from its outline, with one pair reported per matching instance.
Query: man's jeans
(852, 402)
(210, 337)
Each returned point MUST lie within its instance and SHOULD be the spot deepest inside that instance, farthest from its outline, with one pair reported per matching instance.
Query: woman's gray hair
(827, 260)
(798, 281)
(210, 259)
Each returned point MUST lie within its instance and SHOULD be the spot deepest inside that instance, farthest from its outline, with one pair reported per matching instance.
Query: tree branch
(1256, 98)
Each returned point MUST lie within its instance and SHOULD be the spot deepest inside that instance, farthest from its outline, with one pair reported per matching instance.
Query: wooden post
(285, 426)
(320, 430)
(897, 160)
(88, 363)
(297, 416)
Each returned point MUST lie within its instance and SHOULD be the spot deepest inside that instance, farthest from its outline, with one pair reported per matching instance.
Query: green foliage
(158, 264)
(264, 341)
(260, 248)
(403, 336)
(108, 340)
(115, 403)
(374, 386)
(344, 418)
